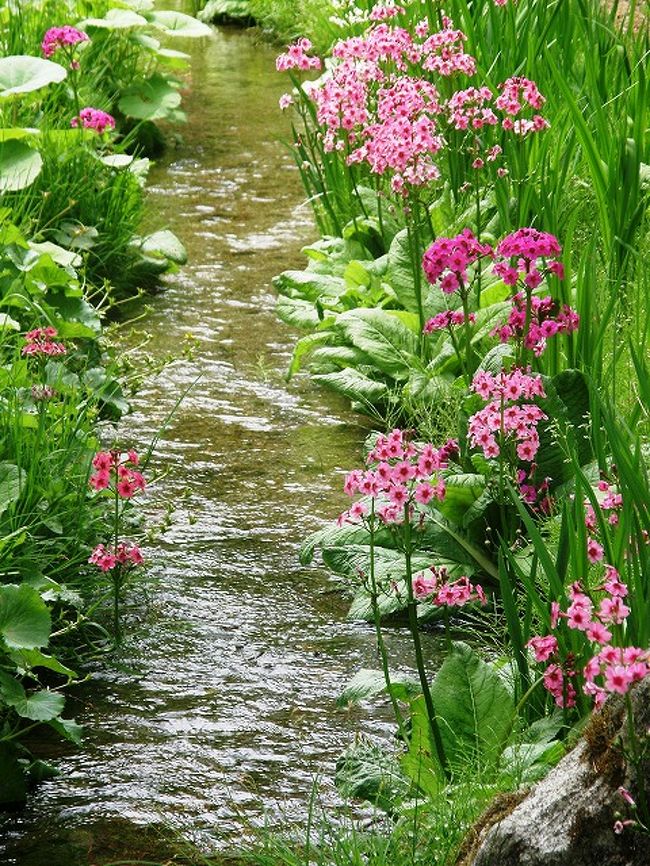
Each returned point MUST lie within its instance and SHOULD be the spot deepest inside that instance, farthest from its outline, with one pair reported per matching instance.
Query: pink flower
(595, 551)
(543, 647)
(94, 118)
(617, 679)
(61, 37)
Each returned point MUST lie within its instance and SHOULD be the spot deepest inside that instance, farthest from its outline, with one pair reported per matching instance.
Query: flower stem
(419, 658)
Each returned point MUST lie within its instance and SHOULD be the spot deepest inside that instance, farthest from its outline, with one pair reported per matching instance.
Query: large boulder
(568, 818)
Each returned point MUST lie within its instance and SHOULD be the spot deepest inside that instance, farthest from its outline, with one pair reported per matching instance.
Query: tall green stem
(419, 658)
(381, 644)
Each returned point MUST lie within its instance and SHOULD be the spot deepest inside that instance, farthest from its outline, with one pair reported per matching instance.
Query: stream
(220, 712)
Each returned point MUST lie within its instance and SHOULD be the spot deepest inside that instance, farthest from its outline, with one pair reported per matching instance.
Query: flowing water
(222, 709)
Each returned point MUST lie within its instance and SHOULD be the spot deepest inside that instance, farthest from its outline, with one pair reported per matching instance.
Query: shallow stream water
(221, 709)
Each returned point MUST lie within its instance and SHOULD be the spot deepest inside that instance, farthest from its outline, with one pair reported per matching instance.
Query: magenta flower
(61, 37)
(94, 118)
(41, 342)
(296, 57)
(114, 470)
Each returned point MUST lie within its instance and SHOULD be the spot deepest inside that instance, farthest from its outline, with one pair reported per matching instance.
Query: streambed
(221, 709)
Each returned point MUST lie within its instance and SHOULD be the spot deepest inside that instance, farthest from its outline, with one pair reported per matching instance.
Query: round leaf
(24, 618)
(179, 24)
(20, 165)
(22, 73)
(115, 19)
(42, 706)
(152, 99)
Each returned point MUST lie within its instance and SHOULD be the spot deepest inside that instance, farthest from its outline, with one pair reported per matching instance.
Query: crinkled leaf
(355, 386)
(474, 707)
(367, 772)
(368, 683)
(392, 346)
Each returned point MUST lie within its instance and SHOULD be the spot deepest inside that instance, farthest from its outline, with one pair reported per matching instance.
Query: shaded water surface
(224, 707)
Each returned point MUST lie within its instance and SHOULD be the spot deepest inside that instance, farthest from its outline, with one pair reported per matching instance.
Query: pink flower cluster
(41, 341)
(447, 260)
(609, 668)
(381, 12)
(403, 474)
(61, 37)
(436, 588)
(94, 118)
(114, 469)
(504, 420)
(612, 502)
(544, 320)
(377, 102)
(404, 137)
(535, 495)
(296, 57)
(517, 92)
(531, 252)
(447, 319)
(124, 554)
(470, 109)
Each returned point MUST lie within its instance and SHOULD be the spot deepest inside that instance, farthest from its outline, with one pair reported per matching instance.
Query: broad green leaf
(41, 706)
(179, 24)
(115, 19)
(23, 73)
(327, 359)
(355, 386)
(175, 59)
(164, 244)
(304, 347)
(368, 683)
(151, 99)
(20, 165)
(8, 324)
(392, 346)
(474, 708)
(26, 660)
(62, 256)
(567, 401)
(309, 285)
(215, 10)
(418, 763)
(117, 160)
(24, 617)
(17, 132)
(367, 772)
(400, 271)
(10, 485)
(297, 313)
(68, 729)
(462, 491)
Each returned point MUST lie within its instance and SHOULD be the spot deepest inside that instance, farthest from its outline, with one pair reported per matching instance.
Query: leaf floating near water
(179, 24)
(153, 99)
